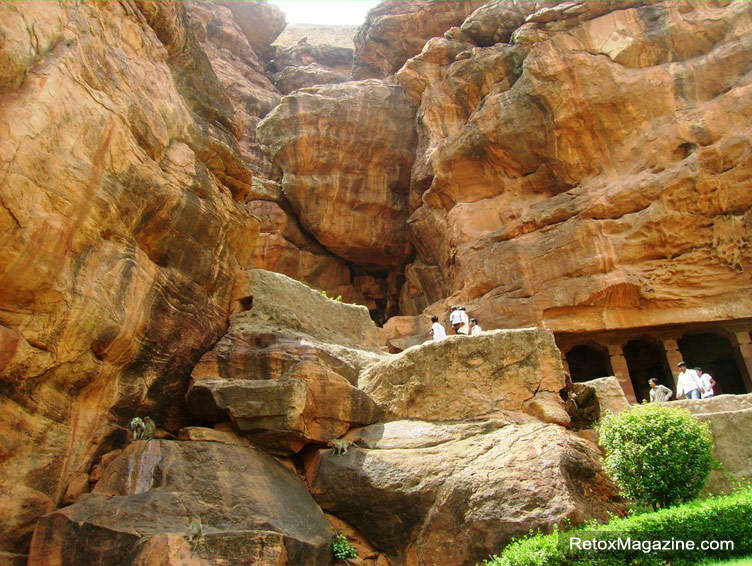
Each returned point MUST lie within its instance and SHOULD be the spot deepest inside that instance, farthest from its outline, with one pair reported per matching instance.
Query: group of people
(460, 322)
(692, 383)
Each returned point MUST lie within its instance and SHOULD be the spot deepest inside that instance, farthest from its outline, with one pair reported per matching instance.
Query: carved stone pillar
(744, 346)
(674, 356)
(565, 363)
(621, 371)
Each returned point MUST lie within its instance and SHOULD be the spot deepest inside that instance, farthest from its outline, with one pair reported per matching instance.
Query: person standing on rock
(707, 382)
(658, 393)
(437, 330)
(688, 383)
(475, 328)
(455, 319)
(465, 326)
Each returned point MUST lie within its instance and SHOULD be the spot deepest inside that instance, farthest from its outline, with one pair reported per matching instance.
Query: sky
(339, 12)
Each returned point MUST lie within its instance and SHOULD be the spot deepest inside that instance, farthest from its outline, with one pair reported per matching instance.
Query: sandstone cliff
(571, 165)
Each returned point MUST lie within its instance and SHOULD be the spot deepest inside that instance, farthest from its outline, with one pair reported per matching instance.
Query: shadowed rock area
(252, 511)
(484, 482)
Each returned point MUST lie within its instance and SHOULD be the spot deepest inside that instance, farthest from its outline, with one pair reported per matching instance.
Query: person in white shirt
(455, 319)
(687, 383)
(437, 330)
(465, 326)
(658, 393)
(707, 382)
(475, 329)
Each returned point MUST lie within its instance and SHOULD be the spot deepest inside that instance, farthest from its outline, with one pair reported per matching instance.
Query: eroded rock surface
(140, 510)
(413, 482)
(120, 234)
(550, 170)
(394, 31)
(516, 370)
(726, 413)
(347, 181)
(286, 372)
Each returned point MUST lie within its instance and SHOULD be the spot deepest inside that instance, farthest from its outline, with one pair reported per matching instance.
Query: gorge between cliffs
(243, 229)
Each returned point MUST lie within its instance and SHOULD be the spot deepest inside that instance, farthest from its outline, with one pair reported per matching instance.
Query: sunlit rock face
(345, 152)
(120, 233)
(593, 173)
(516, 370)
(394, 31)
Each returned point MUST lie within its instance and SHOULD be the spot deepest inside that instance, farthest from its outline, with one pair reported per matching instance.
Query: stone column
(744, 348)
(621, 371)
(674, 356)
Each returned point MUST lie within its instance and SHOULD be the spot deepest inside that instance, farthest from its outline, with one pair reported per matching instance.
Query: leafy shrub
(343, 549)
(656, 454)
(724, 518)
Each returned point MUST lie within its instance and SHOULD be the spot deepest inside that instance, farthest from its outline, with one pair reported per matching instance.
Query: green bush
(724, 518)
(656, 454)
(343, 549)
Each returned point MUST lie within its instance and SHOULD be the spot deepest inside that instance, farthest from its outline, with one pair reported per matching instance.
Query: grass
(746, 561)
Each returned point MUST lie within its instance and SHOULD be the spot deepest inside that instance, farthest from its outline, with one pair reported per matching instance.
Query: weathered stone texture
(138, 513)
(347, 180)
(286, 372)
(394, 31)
(119, 235)
(453, 494)
(499, 370)
(591, 174)
(730, 418)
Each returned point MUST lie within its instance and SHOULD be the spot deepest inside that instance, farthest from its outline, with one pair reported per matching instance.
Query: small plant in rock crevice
(342, 548)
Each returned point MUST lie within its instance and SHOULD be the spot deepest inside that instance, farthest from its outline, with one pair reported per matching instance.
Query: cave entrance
(588, 362)
(645, 359)
(715, 355)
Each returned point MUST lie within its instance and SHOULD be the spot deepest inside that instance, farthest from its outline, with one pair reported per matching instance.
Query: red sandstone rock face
(345, 152)
(119, 234)
(394, 31)
(593, 174)
(286, 372)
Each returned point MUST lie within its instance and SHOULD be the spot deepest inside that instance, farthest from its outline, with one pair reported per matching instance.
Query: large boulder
(139, 512)
(730, 418)
(513, 370)
(286, 372)
(453, 494)
(394, 31)
(348, 181)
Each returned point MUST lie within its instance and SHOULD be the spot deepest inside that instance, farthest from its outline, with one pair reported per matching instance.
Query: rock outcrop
(513, 370)
(286, 372)
(347, 182)
(547, 190)
(726, 413)
(394, 31)
(139, 512)
(411, 483)
(120, 233)
(575, 166)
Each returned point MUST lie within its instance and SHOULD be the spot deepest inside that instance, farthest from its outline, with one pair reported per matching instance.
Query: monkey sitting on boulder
(341, 445)
(143, 429)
